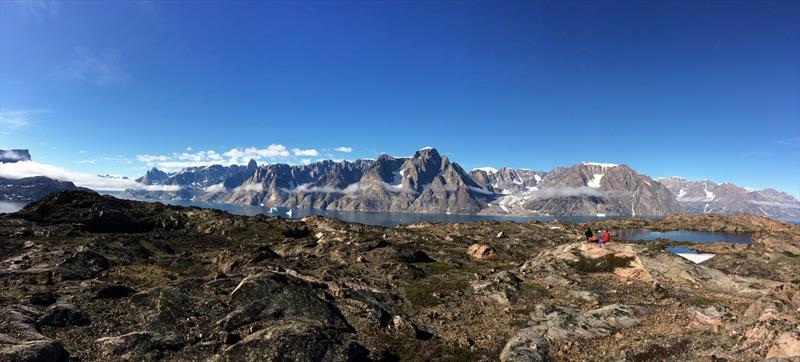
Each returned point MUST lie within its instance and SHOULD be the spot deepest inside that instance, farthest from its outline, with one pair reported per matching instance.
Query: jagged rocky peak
(252, 165)
(506, 179)
(153, 177)
(12, 156)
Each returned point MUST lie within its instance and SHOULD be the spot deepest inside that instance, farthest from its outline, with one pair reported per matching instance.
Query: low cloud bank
(556, 192)
(782, 205)
(24, 169)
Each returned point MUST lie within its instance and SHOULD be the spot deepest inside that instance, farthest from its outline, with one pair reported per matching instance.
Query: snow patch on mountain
(595, 181)
(487, 169)
(601, 164)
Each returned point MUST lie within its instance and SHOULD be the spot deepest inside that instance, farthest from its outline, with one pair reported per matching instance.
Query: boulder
(138, 345)
(63, 315)
(713, 315)
(481, 251)
(21, 341)
(84, 264)
(786, 346)
(771, 320)
(292, 341)
(409, 255)
(114, 291)
(561, 322)
(526, 346)
(270, 296)
(502, 287)
(43, 298)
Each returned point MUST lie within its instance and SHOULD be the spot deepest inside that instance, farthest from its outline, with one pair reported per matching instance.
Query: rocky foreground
(89, 277)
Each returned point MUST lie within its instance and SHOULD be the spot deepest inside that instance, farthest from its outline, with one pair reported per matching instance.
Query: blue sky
(698, 89)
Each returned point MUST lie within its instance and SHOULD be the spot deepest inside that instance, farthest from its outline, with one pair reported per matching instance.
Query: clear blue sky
(698, 89)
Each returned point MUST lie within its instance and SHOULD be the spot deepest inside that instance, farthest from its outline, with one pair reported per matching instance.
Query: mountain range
(428, 182)
(726, 198)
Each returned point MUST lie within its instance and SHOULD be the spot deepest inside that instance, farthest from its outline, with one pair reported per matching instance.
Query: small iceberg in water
(690, 254)
(273, 210)
(601, 215)
(289, 213)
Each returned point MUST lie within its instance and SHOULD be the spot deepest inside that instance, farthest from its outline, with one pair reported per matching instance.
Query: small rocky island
(90, 277)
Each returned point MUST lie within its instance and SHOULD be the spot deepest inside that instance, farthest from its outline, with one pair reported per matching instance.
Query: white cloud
(151, 159)
(162, 188)
(306, 161)
(32, 168)
(307, 188)
(215, 188)
(82, 151)
(92, 161)
(38, 9)
(556, 192)
(344, 149)
(308, 152)
(782, 205)
(13, 120)
(237, 155)
(250, 187)
(85, 65)
(118, 159)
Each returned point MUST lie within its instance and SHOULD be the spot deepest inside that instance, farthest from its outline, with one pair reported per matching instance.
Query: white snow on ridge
(426, 148)
(487, 169)
(709, 194)
(681, 194)
(595, 181)
(603, 165)
(537, 178)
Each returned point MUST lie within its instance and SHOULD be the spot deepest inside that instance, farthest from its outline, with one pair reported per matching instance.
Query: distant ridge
(426, 182)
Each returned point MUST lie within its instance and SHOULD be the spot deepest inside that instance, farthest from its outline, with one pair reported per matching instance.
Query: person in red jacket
(606, 237)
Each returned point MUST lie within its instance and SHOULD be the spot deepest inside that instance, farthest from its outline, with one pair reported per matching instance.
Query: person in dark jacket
(589, 234)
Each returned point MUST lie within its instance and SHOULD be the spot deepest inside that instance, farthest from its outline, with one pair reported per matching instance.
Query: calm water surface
(388, 219)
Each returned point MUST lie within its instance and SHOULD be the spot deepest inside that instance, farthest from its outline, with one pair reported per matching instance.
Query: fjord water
(388, 219)
(687, 236)
(11, 206)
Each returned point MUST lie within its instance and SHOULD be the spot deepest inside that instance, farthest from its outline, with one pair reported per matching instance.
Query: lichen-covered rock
(559, 322)
(21, 341)
(526, 346)
(81, 265)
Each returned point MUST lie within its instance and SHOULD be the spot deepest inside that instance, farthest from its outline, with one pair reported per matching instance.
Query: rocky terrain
(90, 277)
(726, 198)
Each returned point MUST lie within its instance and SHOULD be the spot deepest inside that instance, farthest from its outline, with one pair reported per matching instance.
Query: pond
(687, 236)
